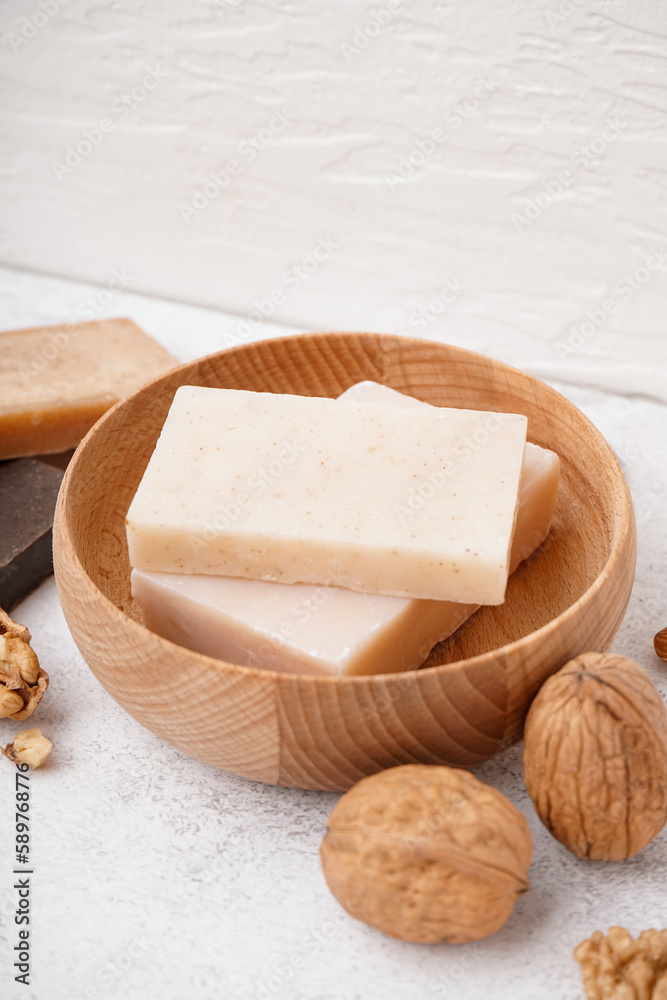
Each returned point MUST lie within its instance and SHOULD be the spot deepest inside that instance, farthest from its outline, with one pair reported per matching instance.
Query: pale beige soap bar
(303, 628)
(408, 502)
(58, 381)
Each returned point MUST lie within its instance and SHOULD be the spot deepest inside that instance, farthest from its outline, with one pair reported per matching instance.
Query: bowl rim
(62, 529)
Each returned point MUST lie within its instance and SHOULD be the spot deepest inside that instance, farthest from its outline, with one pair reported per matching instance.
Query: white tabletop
(156, 876)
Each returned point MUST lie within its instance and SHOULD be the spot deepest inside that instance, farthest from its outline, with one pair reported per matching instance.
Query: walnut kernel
(427, 854)
(15, 653)
(10, 703)
(29, 747)
(596, 757)
(8, 625)
(22, 680)
(617, 967)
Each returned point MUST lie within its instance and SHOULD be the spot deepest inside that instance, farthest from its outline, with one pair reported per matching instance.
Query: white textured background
(359, 100)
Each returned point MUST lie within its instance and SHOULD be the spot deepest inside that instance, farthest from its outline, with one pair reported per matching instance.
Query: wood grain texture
(469, 701)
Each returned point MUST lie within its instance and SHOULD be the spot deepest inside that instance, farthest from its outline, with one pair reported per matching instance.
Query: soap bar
(408, 502)
(28, 493)
(59, 380)
(301, 628)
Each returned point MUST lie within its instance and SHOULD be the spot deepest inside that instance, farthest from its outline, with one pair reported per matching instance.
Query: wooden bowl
(318, 732)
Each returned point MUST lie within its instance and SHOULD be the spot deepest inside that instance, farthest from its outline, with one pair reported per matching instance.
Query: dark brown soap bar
(28, 492)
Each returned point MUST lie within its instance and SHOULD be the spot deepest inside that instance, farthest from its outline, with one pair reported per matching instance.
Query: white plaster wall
(358, 99)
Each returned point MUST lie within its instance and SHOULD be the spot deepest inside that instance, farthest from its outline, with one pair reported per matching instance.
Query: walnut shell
(596, 757)
(660, 644)
(427, 854)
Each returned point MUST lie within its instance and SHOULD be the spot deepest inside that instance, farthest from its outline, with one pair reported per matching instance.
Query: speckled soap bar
(28, 493)
(57, 381)
(418, 502)
(305, 629)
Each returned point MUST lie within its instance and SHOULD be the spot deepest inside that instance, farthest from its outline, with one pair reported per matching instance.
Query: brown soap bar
(58, 380)
(28, 493)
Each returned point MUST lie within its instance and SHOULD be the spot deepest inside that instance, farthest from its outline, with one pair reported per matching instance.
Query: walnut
(596, 757)
(29, 747)
(427, 854)
(660, 644)
(22, 680)
(617, 967)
